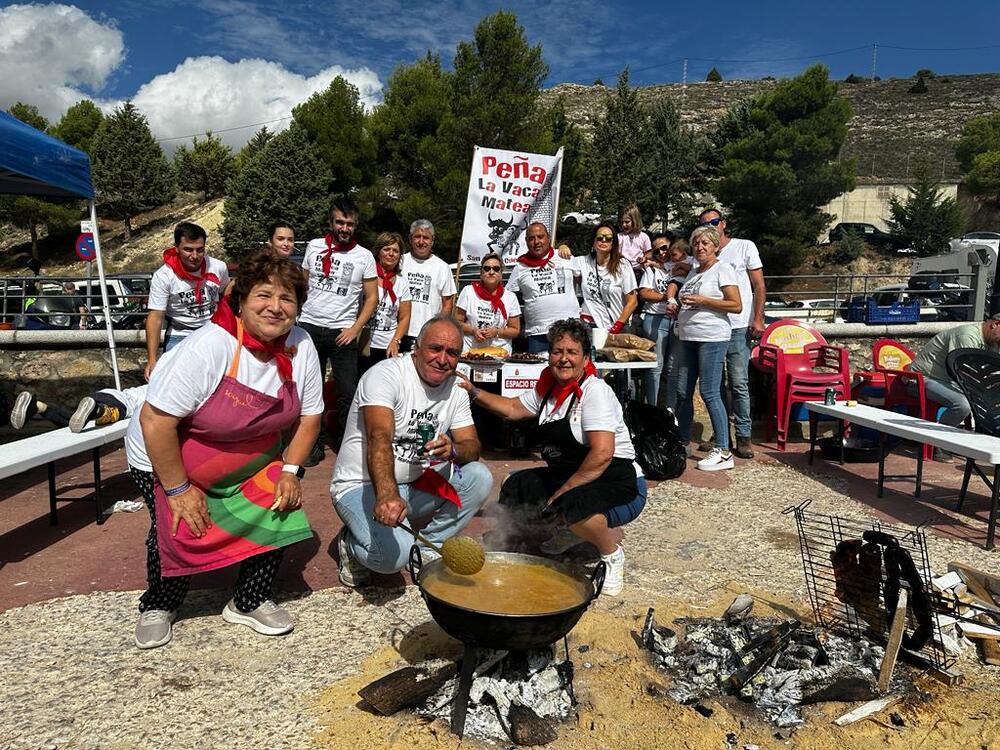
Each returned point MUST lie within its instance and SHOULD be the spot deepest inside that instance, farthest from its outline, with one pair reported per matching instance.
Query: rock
(739, 608)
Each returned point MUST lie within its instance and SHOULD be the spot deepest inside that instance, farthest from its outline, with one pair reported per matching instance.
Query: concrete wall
(870, 203)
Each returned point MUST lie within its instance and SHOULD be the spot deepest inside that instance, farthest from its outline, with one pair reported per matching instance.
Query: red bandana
(387, 278)
(547, 385)
(172, 258)
(495, 299)
(433, 483)
(331, 248)
(533, 262)
(225, 317)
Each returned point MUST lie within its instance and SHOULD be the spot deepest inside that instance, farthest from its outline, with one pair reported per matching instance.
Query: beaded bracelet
(178, 490)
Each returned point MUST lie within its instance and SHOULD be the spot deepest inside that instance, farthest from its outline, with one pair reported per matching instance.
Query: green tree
(256, 144)
(334, 120)
(641, 154)
(920, 87)
(78, 125)
(714, 76)
(30, 213)
(206, 167)
(926, 220)
(286, 180)
(575, 178)
(980, 135)
(130, 172)
(984, 177)
(29, 115)
(925, 73)
(775, 178)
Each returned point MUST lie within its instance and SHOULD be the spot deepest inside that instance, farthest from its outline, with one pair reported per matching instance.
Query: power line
(224, 130)
(942, 49)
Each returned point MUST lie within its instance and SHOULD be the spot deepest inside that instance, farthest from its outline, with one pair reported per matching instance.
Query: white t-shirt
(386, 316)
(479, 313)
(548, 293)
(185, 380)
(656, 279)
(699, 323)
(743, 256)
(634, 246)
(604, 292)
(394, 383)
(597, 410)
(175, 297)
(430, 280)
(334, 300)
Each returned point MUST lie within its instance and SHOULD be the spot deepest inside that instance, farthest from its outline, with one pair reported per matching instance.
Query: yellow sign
(791, 339)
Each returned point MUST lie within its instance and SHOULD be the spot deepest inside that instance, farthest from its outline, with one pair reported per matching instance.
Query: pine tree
(252, 147)
(206, 167)
(286, 180)
(29, 115)
(130, 171)
(926, 220)
(79, 124)
(714, 76)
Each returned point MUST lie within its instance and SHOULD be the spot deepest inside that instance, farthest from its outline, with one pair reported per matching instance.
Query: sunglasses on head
(711, 222)
(491, 269)
(604, 237)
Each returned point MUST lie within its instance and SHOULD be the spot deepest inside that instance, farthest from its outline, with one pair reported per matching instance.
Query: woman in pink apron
(224, 487)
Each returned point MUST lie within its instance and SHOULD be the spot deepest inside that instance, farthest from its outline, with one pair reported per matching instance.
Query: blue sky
(227, 63)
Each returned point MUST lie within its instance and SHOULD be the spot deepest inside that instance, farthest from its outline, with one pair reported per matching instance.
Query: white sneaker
(717, 460)
(351, 573)
(562, 539)
(614, 577)
(154, 628)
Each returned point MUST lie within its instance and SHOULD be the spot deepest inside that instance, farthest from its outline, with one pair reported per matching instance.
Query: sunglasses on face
(491, 269)
(711, 222)
(604, 237)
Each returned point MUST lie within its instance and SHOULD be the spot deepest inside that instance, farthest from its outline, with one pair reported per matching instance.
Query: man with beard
(340, 272)
(432, 286)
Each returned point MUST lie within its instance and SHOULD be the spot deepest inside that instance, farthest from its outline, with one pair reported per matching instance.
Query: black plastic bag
(658, 447)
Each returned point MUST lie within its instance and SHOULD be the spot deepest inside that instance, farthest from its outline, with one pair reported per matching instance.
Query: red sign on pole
(85, 247)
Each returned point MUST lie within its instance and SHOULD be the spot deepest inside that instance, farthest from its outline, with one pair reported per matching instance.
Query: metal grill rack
(819, 536)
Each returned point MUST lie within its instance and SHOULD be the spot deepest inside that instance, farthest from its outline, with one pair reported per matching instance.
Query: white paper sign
(518, 378)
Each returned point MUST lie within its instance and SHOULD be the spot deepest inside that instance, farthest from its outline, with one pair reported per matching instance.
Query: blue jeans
(701, 361)
(738, 379)
(385, 549)
(538, 343)
(954, 404)
(623, 514)
(656, 328)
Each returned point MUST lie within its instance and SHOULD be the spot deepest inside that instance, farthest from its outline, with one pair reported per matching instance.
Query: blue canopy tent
(33, 163)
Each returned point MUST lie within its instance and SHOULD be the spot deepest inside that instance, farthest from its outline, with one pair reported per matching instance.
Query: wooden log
(528, 728)
(404, 688)
(977, 631)
(983, 585)
(895, 639)
(989, 652)
(867, 709)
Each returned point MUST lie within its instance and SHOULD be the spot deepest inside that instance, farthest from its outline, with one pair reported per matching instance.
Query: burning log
(528, 728)
(404, 688)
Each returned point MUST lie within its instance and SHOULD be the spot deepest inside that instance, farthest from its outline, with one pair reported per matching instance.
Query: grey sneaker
(82, 415)
(23, 410)
(352, 573)
(267, 619)
(154, 628)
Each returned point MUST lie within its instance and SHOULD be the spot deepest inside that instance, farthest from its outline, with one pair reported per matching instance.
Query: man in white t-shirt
(432, 286)
(545, 281)
(386, 474)
(341, 273)
(184, 291)
(744, 257)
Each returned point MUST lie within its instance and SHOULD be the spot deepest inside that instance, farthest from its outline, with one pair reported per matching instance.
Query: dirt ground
(617, 708)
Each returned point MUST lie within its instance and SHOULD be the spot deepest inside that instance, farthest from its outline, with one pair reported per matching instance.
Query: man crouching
(387, 471)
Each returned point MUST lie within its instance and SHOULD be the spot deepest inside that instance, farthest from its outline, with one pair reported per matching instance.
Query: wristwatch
(294, 469)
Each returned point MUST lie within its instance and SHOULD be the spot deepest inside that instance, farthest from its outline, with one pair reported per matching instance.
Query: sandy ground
(72, 678)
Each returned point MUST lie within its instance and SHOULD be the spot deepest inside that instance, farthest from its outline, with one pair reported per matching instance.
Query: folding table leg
(98, 501)
(881, 464)
(969, 463)
(53, 518)
(920, 470)
(813, 428)
(993, 507)
(840, 437)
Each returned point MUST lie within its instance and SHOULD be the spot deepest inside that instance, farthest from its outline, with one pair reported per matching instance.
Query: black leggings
(59, 415)
(253, 587)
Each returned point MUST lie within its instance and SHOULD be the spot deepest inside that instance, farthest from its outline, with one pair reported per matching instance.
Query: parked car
(127, 297)
(581, 217)
(870, 233)
(814, 310)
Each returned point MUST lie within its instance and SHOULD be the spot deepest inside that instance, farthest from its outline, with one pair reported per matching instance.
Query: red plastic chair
(803, 365)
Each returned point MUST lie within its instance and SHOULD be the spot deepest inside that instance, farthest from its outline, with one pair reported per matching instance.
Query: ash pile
(778, 665)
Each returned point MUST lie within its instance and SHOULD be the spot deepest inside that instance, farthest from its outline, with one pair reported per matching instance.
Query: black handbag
(658, 447)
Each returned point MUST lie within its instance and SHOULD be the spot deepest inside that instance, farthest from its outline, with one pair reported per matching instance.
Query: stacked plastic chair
(977, 372)
(804, 365)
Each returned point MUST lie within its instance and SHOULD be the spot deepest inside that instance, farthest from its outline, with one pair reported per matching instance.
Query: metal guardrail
(20, 298)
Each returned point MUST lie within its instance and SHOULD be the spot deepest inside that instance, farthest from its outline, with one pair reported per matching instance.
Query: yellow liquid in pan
(509, 588)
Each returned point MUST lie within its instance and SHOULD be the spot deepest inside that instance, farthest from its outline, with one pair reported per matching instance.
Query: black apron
(563, 454)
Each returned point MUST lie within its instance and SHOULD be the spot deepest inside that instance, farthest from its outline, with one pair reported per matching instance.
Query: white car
(581, 217)
(813, 310)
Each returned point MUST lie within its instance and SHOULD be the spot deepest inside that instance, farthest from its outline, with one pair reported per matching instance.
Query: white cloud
(50, 53)
(210, 93)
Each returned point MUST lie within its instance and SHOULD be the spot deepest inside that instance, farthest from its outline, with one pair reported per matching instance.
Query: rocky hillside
(890, 130)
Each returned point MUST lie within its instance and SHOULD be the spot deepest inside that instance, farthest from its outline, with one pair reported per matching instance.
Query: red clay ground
(39, 561)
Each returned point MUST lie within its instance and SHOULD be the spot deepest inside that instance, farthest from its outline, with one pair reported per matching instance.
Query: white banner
(508, 191)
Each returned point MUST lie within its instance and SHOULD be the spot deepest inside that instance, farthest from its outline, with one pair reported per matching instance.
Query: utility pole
(684, 84)
(874, 58)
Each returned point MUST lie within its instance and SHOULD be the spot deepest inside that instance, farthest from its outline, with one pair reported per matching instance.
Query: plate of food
(524, 358)
(484, 355)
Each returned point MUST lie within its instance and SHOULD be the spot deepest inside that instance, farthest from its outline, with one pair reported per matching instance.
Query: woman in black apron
(591, 484)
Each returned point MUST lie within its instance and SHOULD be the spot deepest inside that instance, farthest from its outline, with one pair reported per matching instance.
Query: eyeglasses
(491, 269)
(604, 237)
(711, 222)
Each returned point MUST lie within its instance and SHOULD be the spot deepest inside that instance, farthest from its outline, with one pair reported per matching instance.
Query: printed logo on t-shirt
(406, 445)
(386, 314)
(548, 280)
(339, 280)
(420, 286)
(203, 309)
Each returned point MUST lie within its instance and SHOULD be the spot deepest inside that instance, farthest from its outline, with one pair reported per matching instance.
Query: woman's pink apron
(231, 450)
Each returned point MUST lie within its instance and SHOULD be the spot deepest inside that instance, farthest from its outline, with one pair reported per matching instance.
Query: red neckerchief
(433, 483)
(495, 299)
(225, 317)
(533, 262)
(334, 247)
(172, 258)
(387, 278)
(547, 385)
